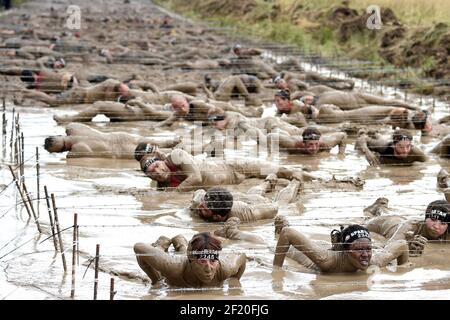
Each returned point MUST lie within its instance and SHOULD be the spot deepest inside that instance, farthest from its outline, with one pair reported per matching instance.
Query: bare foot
(379, 207)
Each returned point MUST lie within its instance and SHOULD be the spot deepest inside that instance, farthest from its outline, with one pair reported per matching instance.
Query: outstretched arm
(189, 168)
(396, 250)
(362, 145)
(288, 236)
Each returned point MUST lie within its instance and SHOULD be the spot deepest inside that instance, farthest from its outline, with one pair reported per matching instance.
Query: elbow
(139, 248)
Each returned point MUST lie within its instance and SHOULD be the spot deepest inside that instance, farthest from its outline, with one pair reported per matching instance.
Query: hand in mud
(372, 159)
(342, 146)
(416, 244)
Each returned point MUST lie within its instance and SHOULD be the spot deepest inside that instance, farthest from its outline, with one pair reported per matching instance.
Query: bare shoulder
(232, 264)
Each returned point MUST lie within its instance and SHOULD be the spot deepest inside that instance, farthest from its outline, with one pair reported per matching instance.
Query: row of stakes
(17, 162)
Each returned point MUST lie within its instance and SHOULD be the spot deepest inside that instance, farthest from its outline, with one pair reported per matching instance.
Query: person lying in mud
(357, 99)
(44, 80)
(202, 265)
(399, 150)
(246, 61)
(82, 141)
(442, 149)
(178, 170)
(252, 126)
(133, 110)
(417, 232)
(217, 204)
(396, 117)
(251, 83)
(198, 110)
(289, 111)
(108, 90)
(16, 66)
(124, 55)
(235, 86)
(295, 81)
(311, 142)
(351, 250)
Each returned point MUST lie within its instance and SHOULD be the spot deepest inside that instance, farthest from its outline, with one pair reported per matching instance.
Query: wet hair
(343, 238)
(420, 119)
(400, 135)
(237, 47)
(285, 94)
(216, 118)
(439, 210)
(311, 133)
(27, 76)
(219, 201)
(148, 162)
(142, 149)
(50, 141)
(203, 241)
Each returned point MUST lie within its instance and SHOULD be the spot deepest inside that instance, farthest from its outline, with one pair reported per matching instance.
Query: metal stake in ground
(20, 191)
(37, 182)
(111, 290)
(74, 253)
(61, 246)
(22, 156)
(11, 141)
(4, 125)
(52, 226)
(97, 256)
(31, 206)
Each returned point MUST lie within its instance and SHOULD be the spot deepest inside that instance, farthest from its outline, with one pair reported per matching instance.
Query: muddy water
(115, 213)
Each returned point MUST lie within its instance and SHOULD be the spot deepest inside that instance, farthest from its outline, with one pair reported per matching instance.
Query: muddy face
(436, 228)
(180, 106)
(283, 105)
(360, 253)
(402, 148)
(158, 171)
(282, 84)
(312, 146)
(205, 269)
(308, 99)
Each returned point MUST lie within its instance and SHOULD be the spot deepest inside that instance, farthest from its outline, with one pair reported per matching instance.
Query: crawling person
(442, 149)
(417, 232)
(393, 116)
(108, 90)
(288, 110)
(311, 142)
(44, 80)
(235, 86)
(217, 204)
(351, 250)
(202, 265)
(82, 141)
(199, 110)
(180, 171)
(134, 110)
(355, 100)
(399, 150)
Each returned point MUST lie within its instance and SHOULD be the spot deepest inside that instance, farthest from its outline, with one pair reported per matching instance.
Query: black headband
(355, 235)
(216, 118)
(205, 254)
(285, 94)
(311, 136)
(147, 163)
(401, 137)
(438, 215)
